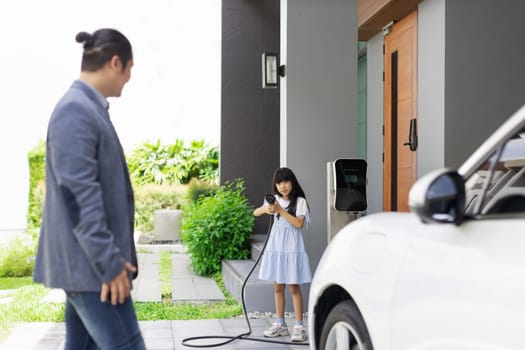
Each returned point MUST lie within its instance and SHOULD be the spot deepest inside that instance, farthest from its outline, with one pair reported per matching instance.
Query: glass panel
(499, 183)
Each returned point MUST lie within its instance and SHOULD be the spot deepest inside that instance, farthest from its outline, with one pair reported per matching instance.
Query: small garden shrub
(175, 163)
(200, 189)
(217, 227)
(37, 170)
(149, 198)
(17, 258)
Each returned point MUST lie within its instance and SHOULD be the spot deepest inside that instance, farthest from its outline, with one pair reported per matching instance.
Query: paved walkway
(158, 335)
(187, 286)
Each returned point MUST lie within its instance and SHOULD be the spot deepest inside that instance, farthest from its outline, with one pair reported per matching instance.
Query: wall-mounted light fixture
(271, 71)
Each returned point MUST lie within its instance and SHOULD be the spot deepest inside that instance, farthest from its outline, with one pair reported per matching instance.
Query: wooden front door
(400, 114)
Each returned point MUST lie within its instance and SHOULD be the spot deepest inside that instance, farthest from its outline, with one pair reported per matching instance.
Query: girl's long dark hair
(285, 174)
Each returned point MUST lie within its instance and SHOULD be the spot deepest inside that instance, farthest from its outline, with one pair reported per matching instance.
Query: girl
(285, 260)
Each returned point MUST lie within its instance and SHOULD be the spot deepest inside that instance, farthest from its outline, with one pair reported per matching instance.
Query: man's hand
(119, 287)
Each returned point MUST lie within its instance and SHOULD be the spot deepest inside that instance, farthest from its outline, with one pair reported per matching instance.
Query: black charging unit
(350, 185)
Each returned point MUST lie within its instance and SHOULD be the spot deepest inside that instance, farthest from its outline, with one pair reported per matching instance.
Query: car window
(498, 186)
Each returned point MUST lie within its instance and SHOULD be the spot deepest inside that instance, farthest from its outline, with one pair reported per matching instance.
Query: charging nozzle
(270, 198)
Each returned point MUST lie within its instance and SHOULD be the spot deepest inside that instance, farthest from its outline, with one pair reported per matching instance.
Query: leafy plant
(18, 257)
(150, 162)
(205, 162)
(36, 158)
(173, 164)
(199, 189)
(217, 227)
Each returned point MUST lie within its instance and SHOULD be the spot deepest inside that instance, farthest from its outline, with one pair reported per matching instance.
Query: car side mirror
(439, 197)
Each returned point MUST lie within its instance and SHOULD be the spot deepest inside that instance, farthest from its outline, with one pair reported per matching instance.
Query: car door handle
(412, 135)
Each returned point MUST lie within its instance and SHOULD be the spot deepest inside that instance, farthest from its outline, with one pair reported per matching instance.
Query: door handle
(412, 135)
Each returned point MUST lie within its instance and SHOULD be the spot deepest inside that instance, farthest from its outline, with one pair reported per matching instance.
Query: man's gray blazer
(88, 216)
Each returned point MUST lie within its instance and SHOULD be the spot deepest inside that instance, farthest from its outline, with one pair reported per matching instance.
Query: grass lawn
(26, 305)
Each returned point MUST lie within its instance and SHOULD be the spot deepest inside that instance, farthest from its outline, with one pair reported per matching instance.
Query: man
(86, 244)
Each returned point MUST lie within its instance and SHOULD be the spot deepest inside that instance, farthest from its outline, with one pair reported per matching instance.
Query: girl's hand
(277, 208)
(270, 209)
(265, 209)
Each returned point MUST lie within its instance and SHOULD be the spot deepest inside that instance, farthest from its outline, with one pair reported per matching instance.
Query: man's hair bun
(86, 38)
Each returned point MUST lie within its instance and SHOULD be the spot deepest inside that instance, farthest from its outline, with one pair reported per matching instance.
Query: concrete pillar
(318, 99)
(167, 225)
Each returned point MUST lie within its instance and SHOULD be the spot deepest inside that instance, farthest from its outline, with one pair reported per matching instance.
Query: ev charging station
(346, 193)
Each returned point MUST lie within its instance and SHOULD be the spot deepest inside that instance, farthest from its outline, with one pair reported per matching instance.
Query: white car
(450, 275)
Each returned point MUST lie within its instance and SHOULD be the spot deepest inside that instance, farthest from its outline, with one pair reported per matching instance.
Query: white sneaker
(299, 333)
(276, 330)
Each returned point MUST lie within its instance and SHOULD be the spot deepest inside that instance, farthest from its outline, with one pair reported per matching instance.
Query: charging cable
(243, 336)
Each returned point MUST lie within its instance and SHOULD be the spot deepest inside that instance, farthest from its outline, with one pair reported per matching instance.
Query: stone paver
(190, 288)
(146, 287)
(187, 287)
(36, 336)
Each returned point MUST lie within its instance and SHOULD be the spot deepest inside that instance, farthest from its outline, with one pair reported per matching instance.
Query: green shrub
(173, 164)
(200, 189)
(17, 258)
(205, 159)
(217, 227)
(150, 197)
(37, 170)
